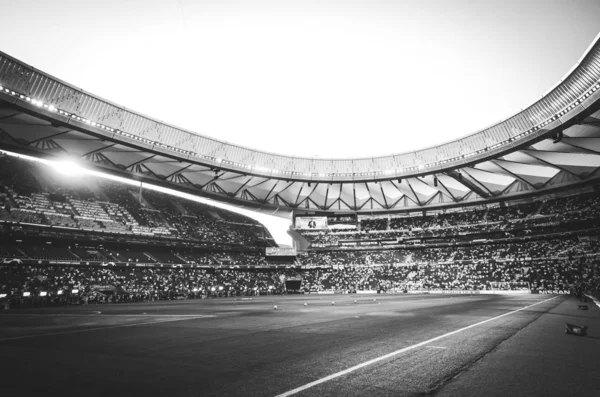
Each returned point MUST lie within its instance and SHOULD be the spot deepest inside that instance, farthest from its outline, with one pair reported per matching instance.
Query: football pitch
(325, 345)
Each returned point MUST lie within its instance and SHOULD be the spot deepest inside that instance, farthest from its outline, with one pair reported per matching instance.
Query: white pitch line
(395, 353)
(436, 347)
(109, 315)
(100, 328)
(594, 300)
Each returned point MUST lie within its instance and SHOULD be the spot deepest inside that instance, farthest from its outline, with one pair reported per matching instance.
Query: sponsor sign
(454, 291)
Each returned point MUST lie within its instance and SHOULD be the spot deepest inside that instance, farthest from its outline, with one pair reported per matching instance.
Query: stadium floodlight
(26, 294)
(60, 292)
(67, 167)
(75, 291)
(2, 296)
(43, 293)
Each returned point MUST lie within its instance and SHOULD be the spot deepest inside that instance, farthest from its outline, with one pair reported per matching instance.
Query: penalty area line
(74, 331)
(395, 353)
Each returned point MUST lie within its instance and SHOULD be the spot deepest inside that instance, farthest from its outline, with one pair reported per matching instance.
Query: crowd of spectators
(503, 221)
(554, 263)
(116, 208)
(114, 284)
(545, 265)
(131, 254)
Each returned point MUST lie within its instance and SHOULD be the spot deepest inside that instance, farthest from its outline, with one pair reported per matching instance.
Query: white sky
(307, 78)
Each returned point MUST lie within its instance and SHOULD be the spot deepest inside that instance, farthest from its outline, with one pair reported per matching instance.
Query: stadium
(142, 258)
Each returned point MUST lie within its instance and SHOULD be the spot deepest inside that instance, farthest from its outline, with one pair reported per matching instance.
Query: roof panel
(528, 169)
(592, 144)
(575, 159)
(583, 131)
(318, 195)
(291, 193)
(347, 194)
(362, 194)
(391, 192)
(376, 193)
(406, 189)
(261, 191)
(126, 159)
(333, 193)
(234, 184)
(562, 146)
(198, 178)
(489, 177)
(306, 191)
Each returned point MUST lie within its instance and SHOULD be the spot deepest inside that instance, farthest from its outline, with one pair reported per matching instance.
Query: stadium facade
(552, 145)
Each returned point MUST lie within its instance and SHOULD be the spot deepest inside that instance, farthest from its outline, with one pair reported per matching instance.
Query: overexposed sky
(308, 78)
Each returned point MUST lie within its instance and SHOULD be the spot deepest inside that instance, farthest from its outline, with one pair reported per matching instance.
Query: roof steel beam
(550, 164)
(103, 148)
(48, 137)
(178, 171)
(414, 193)
(512, 174)
(140, 161)
(483, 193)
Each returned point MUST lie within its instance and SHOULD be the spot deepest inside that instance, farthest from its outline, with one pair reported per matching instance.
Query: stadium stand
(113, 208)
(113, 243)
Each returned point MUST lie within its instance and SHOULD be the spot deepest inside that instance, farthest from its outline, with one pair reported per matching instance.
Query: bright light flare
(68, 168)
(278, 225)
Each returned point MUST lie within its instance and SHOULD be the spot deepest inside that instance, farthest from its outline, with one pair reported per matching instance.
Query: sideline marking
(57, 315)
(395, 353)
(594, 300)
(100, 328)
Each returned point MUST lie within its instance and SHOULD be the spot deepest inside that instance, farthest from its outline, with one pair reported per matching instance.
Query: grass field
(396, 345)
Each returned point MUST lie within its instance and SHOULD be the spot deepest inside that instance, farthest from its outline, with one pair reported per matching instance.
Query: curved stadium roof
(42, 115)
